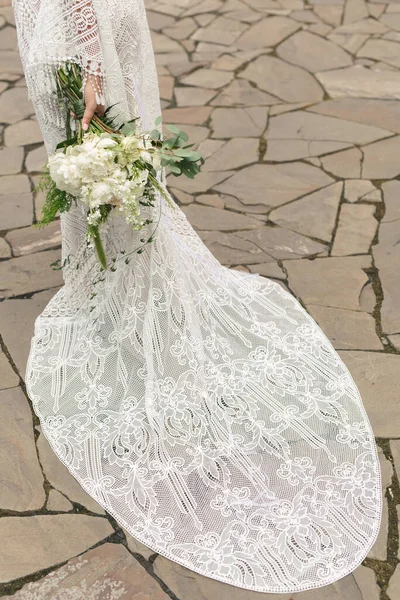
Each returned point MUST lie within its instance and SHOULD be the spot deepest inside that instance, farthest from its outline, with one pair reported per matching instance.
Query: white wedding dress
(202, 407)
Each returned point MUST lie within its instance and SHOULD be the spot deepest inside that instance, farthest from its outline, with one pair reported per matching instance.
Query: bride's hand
(91, 106)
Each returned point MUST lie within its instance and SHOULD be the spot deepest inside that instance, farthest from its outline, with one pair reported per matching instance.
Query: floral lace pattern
(201, 406)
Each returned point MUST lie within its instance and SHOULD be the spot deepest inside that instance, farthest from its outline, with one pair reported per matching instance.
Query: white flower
(65, 173)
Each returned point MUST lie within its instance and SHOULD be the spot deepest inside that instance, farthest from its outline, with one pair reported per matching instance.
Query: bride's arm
(89, 49)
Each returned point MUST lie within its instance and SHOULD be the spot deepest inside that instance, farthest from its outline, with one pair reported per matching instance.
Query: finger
(87, 115)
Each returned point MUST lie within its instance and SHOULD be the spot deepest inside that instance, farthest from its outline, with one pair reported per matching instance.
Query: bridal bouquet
(108, 169)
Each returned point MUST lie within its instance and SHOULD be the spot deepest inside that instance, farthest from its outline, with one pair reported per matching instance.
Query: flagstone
(158, 20)
(384, 50)
(329, 13)
(33, 239)
(211, 219)
(208, 78)
(367, 26)
(230, 249)
(30, 544)
(284, 150)
(107, 572)
(283, 244)
(334, 281)
(17, 325)
(356, 230)
(10, 160)
(269, 269)
(387, 255)
(23, 133)
(267, 32)
(238, 122)
(5, 250)
(14, 104)
(57, 502)
(29, 273)
(347, 329)
(16, 210)
(361, 82)
(392, 20)
(237, 152)
(211, 200)
(320, 29)
(8, 39)
(313, 52)
(60, 477)
(36, 159)
(288, 82)
(8, 377)
(221, 30)
(355, 11)
(307, 125)
(376, 376)
(344, 164)
(191, 115)
(274, 185)
(21, 476)
(181, 29)
(351, 42)
(382, 114)
(357, 189)
(241, 93)
(10, 63)
(381, 159)
(203, 182)
(314, 215)
(193, 96)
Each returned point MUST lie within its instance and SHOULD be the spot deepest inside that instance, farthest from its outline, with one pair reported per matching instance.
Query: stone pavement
(295, 105)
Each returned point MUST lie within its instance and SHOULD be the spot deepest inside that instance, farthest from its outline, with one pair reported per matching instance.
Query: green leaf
(173, 129)
(158, 120)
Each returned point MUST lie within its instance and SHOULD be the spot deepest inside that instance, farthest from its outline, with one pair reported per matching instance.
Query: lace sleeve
(88, 45)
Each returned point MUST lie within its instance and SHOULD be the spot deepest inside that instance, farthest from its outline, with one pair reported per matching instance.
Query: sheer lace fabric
(202, 407)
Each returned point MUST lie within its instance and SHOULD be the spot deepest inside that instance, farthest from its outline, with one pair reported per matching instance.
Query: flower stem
(99, 246)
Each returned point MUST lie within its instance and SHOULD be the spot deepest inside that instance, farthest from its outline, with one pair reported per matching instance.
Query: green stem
(99, 246)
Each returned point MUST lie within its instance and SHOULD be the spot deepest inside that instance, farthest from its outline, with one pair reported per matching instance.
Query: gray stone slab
(376, 375)
(10, 160)
(16, 210)
(314, 215)
(30, 544)
(60, 477)
(57, 502)
(241, 93)
(33, 239)
(209, 218)
(274, 185)
(313, 52)
(304, 125)
(344, 164)
(238, 122)
(267, 32)
(23, 133)
(21, 476)
(356, 230)
(358, 189)
(14, 184)
(235, 153)
(30, 273)
(14, 103)
(332, 281)
(393, 590)
(230, 249)
(108, 572)
(17, 318)
(287, 82)
(347, 329)
(8, 377)
(282, 244)
(360, 82)
(380, 161)
(383, 114)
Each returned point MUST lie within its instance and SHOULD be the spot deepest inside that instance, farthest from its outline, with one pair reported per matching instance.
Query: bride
(200, 406)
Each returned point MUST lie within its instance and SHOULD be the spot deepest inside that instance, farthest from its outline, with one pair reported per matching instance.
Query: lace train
(207, 412)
